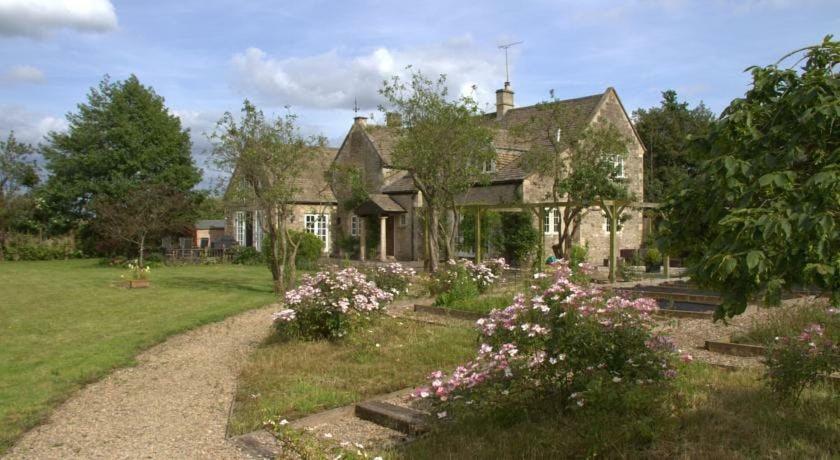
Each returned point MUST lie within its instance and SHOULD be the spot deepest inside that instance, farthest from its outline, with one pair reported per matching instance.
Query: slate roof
(312, 185)
(577, 114)
(208, 224)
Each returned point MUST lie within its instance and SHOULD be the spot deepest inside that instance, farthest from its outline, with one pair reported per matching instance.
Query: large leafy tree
(582, 168)
(266, 158)
(667, 131)
(762, 214)
(121, 137)
(443, 144)
(17, 172)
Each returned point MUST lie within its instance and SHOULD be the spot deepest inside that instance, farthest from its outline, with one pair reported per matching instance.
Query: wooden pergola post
(613, 216)
(666, 263)
(362, 240)
(541, 230)
(478, 235)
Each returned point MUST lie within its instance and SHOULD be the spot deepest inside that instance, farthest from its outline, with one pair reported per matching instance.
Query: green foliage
(348, 244)
(453, 285)
(209, 206)
(653, 257)
(17, 173)
(246, 255)
(790, 321)
(27, 247)
(667, 131)
(761, 213)
(579, 255)
(123, 136)
(309, 250)
(519, 240)
(491, 226)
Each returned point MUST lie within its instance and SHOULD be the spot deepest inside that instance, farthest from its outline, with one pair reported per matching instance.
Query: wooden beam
(613, 215)
(541, 230)
(478, 235)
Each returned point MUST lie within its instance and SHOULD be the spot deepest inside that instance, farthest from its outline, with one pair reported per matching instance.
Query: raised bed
(735, 349)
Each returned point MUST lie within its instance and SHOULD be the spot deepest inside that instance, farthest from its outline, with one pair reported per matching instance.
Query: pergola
(611, 208)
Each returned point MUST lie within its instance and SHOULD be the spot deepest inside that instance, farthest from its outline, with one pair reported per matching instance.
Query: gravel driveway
(173, 404)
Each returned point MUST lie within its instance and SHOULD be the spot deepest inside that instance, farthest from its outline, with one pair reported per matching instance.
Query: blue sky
(205, 56)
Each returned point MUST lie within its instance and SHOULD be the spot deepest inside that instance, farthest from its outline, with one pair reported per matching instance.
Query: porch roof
(377, 204)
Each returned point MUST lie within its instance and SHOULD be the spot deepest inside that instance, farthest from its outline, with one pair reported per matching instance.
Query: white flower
(616, 379)
(284, 422)
(441, 414)
(328, 435)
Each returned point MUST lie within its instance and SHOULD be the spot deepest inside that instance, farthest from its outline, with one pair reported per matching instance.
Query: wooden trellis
(611, 208)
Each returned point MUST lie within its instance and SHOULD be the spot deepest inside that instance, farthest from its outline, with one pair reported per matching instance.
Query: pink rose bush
(393, 278)
(464, 279)
(562, 339)
(328, 303)
(797, 362)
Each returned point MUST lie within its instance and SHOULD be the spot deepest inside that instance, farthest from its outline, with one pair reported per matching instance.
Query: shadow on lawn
(218, 285)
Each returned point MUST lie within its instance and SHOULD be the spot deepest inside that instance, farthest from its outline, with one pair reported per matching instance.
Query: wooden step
(402, 419)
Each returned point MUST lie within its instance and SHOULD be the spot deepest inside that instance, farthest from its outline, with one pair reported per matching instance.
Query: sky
(318, 58)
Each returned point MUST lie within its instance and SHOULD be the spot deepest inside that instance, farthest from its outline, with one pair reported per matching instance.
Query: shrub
(393, 278)
(310, 249)
(796, 362)
(578, 255)
(328, 304)
(464, 279)
(244, 255)
(564, 341)
(519, 239)
(653, 258)
(27, 247)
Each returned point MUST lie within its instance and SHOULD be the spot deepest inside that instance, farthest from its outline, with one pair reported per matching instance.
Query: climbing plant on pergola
(611, 208)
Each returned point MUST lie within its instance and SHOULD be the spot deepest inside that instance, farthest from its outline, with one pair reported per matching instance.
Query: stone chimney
(504, 100)
(361, 121)
(393, 120)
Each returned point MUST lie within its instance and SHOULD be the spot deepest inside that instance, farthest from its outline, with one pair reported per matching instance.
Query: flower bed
(464, 279)
(565, 339)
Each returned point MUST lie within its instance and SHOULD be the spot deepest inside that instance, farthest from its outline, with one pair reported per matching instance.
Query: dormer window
(490, 166)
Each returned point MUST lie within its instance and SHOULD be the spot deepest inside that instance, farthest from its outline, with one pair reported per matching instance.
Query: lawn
(283, 380)
(67, 323)
(712, 414)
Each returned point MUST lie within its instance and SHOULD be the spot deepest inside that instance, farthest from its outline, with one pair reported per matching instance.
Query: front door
(389, 236)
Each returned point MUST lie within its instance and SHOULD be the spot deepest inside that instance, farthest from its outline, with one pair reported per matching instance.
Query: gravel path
(173, 404)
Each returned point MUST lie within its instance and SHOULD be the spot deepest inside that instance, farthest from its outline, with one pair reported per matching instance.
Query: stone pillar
(362, 239)
(383, 237)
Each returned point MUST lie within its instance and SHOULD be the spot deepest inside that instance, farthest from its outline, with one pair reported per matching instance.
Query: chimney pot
(504, 100)
(361, 121)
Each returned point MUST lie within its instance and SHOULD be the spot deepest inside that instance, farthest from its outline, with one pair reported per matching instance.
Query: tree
(151, 211)
(666, 132)
(582, 168)
(443, 144)
(266, 157)
(761, 215)
(122, 137)
(16, 173)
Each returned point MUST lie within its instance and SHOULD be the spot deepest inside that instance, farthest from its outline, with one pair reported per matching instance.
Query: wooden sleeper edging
(460, 314)
(402, 419)
(735, 349)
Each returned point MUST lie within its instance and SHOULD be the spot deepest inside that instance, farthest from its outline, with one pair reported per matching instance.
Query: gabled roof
(378, 204)
(383, 139)
(312, 185)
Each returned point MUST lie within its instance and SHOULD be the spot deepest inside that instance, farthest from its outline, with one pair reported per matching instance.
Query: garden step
(684, 314)
(402, 419)
(735, 349)
(675, 296)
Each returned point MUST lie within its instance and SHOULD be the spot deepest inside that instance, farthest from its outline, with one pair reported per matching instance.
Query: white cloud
(37, 18)
(331, 80)
(28, 126)
(23, 74)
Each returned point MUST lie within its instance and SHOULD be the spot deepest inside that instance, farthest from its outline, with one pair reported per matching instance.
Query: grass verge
(293, 379)
(67, 323)
(711, 414)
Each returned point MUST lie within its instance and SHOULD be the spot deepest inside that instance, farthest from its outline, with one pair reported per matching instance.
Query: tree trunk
(142, 249)
(434, 253)
(2, 245)
(570, 226)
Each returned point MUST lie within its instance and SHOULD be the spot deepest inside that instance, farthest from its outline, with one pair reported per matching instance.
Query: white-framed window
(239, 227)
(489, 166)
(318, 225)
(618, 165)
(607, 224)
(258, 230)
(403, 220)
(551, 221)
(354, 225)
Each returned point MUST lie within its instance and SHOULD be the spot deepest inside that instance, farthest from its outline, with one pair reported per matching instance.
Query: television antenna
(505, 47)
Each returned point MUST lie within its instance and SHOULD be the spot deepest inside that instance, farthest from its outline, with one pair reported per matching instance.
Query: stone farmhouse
(394, 203)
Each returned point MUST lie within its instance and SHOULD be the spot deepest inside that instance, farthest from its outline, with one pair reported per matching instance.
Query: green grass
(790, 321)
(67, 323)
(712, 414)
(292, 379)
(482, 304)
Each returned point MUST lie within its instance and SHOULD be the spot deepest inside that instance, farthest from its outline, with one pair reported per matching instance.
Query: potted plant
(138, 277)
(653, 260)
